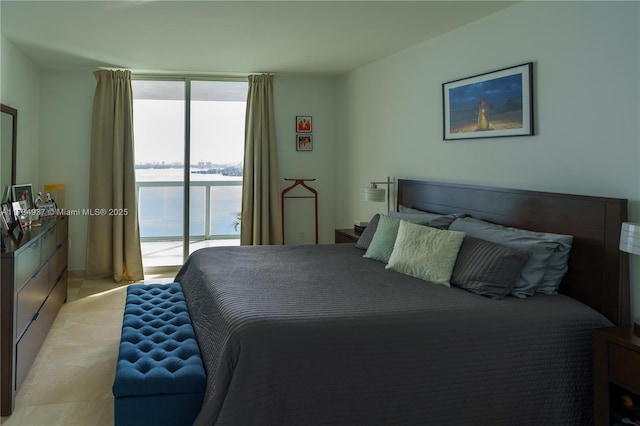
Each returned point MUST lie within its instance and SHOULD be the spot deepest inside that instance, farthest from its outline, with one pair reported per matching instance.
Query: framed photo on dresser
(19, 214)
(13, 225)
(23, 193)
(7, 216)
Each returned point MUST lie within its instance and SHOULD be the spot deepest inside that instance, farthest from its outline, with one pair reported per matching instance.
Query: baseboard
(76, 273)
(151, 270)
(161, 270)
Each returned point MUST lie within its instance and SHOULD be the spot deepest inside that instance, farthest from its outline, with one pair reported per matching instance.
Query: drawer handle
(36, 316)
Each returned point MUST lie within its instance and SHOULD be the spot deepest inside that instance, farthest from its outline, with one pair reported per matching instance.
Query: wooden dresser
(33, 288)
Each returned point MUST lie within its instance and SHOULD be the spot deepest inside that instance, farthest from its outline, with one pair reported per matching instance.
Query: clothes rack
(300, 182)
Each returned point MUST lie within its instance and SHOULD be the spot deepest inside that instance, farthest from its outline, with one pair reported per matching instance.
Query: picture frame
(47, 209)
(304, 124)
(18, 210)
(7, 216)
(489, 105)
(6, 194)
(4, 226)
(14, 228)
(23, 192)
(304, 142)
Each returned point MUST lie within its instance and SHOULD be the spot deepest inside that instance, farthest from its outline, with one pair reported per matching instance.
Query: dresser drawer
(62, 229)
(48, 245)
(624, 367)
(30, 298)
(58, 264)
(27, 262)
(30, 343)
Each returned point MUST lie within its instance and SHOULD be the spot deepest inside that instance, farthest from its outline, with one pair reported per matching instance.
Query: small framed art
(304, 142)
(24, 193)
(303, 124)
(47, 209)
(494, 104)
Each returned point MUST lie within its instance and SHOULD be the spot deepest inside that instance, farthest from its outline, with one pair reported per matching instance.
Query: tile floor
(160, 253)
(71, 378)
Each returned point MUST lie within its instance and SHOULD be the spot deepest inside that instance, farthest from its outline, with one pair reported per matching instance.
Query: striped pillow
(488, 269)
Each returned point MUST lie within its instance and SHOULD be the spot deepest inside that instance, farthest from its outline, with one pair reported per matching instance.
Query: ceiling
(227, 37)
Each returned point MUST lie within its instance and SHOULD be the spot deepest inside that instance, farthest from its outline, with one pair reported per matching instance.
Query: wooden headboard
(598, 272)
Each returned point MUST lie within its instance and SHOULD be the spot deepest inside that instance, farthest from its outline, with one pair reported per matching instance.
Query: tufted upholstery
(158, 357)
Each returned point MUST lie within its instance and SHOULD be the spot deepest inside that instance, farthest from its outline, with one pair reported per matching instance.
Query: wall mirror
(8, 141)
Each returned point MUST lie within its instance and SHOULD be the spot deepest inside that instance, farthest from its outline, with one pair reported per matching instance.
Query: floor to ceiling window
(189, 148)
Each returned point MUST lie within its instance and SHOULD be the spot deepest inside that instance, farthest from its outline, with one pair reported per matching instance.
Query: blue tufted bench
(160, 379)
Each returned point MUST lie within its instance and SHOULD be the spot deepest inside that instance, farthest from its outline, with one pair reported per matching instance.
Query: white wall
(20, 89)
(587, 102)
(314, 96)
(65, 147)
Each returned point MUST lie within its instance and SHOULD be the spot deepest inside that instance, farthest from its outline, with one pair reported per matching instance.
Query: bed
(319, 335)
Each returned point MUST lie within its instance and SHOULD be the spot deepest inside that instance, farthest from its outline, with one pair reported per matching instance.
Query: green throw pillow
(426, 253)
(383, 240)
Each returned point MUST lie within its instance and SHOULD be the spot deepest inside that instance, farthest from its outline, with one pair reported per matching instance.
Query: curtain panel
(113, 236)
(261, 209)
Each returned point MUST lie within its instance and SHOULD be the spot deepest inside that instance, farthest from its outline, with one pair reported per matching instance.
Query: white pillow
(426, 253)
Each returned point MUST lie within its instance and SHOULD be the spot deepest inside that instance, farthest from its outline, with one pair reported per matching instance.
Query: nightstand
(616, 372)
(347, 235)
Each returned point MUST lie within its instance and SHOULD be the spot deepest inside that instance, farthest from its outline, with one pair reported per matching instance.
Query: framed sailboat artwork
(494, 104)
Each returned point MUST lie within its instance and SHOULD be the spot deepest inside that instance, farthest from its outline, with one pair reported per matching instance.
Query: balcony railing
(214, 208)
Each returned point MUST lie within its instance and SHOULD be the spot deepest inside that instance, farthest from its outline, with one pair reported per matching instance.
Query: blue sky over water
(496, 92)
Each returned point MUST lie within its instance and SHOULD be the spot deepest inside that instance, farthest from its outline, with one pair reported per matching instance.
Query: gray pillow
(434, 220)
(405, 209)
(488, 269)
(540, 245)
(367, 235)
(558, 264)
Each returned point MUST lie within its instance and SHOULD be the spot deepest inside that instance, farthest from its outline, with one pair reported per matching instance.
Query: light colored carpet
(71, 378)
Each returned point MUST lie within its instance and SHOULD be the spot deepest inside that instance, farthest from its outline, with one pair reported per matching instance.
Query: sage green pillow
(426, 253)
(383, 240)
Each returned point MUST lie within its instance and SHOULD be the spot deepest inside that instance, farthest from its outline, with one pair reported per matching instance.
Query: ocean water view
(215, 202)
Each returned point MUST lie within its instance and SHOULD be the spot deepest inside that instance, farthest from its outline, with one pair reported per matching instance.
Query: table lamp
(373, 193)
(630, 243)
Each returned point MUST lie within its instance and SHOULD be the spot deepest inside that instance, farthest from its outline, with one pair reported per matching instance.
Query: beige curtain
(261, 209)
(113, 237)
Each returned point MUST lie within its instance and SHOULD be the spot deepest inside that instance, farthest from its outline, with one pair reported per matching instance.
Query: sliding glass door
(189, 147)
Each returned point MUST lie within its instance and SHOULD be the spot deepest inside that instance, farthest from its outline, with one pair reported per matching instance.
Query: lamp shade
(630, 237)
(373, 194)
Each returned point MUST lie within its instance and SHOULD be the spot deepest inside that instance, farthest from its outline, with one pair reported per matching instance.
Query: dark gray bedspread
(317, 335)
